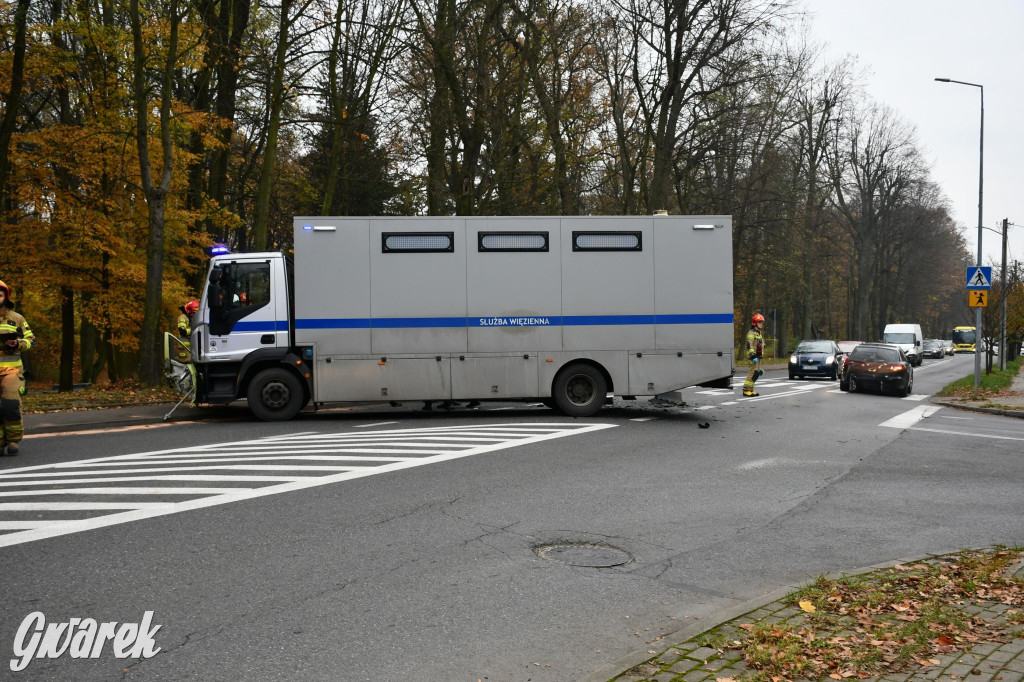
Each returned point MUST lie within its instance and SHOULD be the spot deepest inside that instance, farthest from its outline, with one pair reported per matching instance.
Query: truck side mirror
(214, 296)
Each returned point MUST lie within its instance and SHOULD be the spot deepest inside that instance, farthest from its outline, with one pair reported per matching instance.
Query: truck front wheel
(275, 395)
(579, 390)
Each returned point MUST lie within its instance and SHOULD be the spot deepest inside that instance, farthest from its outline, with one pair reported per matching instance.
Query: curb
(987, 410)
(616, 668)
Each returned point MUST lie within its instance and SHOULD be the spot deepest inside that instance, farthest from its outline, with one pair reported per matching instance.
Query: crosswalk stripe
(121, 491)
(262, 464)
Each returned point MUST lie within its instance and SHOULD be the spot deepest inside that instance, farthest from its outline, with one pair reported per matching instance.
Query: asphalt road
(442, 554)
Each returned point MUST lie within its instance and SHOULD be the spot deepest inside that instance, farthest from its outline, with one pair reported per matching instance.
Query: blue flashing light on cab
(218, 250)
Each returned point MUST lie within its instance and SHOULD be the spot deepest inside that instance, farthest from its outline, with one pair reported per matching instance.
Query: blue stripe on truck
(510, 321)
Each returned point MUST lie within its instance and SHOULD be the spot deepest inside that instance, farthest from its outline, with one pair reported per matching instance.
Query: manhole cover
(587, 555)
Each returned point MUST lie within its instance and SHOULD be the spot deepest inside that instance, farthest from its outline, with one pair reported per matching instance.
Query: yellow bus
(964, 339)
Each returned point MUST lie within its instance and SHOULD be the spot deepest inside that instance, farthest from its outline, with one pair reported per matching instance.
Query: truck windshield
(893, 337)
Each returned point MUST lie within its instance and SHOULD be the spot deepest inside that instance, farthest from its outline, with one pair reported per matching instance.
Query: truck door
(248, 309)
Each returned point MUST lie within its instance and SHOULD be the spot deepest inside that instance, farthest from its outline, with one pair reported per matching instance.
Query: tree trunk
(260, 226)
(67, 339)
(233, 21)
(156, 195)
(13, 100)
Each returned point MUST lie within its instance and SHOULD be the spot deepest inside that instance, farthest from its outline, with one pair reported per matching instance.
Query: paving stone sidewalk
(705, 655)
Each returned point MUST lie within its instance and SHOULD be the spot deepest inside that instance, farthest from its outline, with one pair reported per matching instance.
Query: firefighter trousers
(752, 375)
(12, 383)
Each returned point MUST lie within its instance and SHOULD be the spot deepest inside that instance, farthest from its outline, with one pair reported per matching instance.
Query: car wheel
(275, 395)
(843, 386)
(579, 390)
(792, 376)
(910, 385)
(853, 384)
(835, 374)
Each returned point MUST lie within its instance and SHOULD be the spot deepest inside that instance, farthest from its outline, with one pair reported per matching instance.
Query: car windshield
(933, 344)
(814, 347)
(893, 337)
(875, 354)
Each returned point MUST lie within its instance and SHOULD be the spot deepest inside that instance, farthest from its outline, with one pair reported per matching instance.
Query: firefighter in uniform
(185, 329)
(15, 338)
(755, 349)
(185, 319)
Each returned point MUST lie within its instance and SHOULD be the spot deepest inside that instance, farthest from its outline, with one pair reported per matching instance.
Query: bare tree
(681, 52)
(363, 48)
(456, 44)
(555, 47)
(872, 163)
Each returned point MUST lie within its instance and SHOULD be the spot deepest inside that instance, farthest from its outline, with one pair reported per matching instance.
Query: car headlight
(830, 359)
(793, 359)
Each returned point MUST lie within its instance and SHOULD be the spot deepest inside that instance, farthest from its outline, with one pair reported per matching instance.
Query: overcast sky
(904, 45)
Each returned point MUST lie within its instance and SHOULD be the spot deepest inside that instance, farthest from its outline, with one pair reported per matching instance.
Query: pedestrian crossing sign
(978, 298)
(979, 277)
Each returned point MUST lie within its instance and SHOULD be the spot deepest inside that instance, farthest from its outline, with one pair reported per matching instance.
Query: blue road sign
(979, 277)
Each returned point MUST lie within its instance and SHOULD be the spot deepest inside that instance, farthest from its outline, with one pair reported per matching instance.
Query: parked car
(933, 348)
(948, 347)
(878, 366)
(818, 358)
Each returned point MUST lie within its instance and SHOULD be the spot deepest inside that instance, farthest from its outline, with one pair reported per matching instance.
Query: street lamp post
(981, 185)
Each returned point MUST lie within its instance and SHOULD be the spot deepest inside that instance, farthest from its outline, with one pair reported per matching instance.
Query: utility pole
(1005, 293)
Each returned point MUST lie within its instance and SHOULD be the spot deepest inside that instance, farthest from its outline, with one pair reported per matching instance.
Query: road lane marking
(120, 491)
(911, 417)
(275, 454)
(968, 434)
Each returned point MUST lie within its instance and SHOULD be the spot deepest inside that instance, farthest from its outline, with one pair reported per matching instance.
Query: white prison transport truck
(565, 310)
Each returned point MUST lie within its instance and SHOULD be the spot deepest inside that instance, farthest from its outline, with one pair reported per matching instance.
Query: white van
(908, 337)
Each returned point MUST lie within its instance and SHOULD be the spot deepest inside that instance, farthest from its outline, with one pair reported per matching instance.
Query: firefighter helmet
(191, 307)
(7, 294)
(758, 319)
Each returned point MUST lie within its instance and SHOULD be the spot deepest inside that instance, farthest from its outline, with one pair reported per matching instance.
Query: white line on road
(122, 491)
(81, 506)
(911, 417)
(968, 434)
(30, 525)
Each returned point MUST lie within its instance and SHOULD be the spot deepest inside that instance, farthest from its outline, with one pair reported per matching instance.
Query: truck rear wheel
(579, 390)
(275, 395)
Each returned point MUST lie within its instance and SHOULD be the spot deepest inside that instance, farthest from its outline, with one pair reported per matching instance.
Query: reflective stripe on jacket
(13, 323)
(755, 343)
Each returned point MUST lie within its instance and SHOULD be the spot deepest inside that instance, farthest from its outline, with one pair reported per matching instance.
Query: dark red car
(877, 366)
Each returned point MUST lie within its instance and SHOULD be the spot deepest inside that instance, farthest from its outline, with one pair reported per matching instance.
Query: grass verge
(989, 385)
(41, 398)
